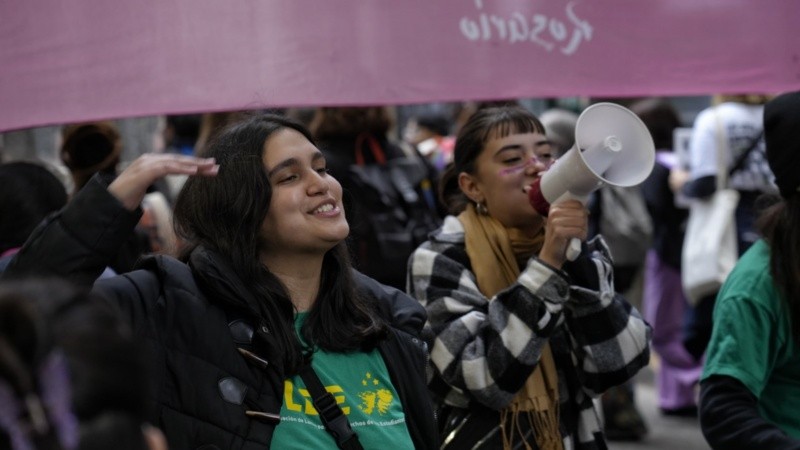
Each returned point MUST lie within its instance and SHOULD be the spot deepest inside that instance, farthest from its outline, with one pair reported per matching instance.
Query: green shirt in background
(360, 383)
(752, 340)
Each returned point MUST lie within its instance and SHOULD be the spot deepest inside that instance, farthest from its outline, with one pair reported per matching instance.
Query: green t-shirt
(360, 383)
(752, 340)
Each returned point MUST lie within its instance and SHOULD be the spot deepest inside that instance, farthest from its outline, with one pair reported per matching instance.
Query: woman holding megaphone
(523, 338)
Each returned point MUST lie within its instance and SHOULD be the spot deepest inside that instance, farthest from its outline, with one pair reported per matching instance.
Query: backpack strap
(330, 413)
(374, 146)
(740, 160)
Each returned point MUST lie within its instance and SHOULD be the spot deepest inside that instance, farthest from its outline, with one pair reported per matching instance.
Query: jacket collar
(451, 231)
(217, 279)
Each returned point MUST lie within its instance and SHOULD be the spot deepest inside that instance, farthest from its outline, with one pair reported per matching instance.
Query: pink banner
(64, 61)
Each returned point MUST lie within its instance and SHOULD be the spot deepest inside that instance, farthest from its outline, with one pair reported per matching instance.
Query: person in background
(430, 134)
(94, 148)
(181, 133)
(337, 130)
(665, 304)
(560, 125)
(30, 192)
(750, 389)
(71, 374)
(211, 124)
(180, 136)
(90, 148)
(523, 339)
(735, 123)
(263, 290)
(388, 219)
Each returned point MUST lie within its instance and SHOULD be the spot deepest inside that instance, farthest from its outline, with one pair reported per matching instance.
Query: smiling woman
(262, 292)
(523, 337)
(306, 207)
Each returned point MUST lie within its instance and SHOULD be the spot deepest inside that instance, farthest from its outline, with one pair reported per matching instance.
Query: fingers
(186, 168)
(130, 186)
(567, 220)
(155, 166)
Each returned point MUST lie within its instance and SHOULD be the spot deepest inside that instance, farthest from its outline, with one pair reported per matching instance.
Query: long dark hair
(225, 214)
(484, 124)
(780, 226)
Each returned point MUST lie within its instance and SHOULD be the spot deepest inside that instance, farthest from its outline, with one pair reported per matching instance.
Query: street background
(665, 432)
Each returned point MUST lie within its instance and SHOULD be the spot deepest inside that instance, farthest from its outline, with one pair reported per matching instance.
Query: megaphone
(612, 146)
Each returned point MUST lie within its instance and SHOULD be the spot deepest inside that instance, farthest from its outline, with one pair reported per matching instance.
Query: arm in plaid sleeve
(484, 349)
(610, 339)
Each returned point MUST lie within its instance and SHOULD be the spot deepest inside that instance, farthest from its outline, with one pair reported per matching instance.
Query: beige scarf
(496, 254)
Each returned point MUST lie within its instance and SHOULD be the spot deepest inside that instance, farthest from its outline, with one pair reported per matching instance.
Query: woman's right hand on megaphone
(131, 185)
(566, 220)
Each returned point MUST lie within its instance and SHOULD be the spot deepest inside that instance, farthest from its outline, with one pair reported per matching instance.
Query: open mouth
(327, 207)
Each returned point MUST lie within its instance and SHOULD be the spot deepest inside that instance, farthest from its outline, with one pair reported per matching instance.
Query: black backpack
(393, 205)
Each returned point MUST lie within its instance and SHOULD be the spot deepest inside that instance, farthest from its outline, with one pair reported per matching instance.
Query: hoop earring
(481, 208)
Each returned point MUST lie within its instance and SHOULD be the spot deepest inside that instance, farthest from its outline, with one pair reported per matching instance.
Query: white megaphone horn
(612, 146)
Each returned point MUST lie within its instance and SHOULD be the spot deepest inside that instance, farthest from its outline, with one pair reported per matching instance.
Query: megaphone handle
(573, 249)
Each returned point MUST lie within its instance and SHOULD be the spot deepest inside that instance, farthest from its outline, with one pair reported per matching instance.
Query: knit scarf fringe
(546, 422)
(541, 414)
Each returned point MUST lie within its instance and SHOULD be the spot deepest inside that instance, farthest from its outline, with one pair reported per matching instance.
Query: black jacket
(195, 317)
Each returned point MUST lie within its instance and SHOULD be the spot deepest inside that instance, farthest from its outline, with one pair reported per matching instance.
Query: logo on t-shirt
(374, 399)
(362, 387)
(379, 398)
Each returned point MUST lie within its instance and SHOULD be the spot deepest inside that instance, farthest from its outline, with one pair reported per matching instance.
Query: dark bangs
(507, 121)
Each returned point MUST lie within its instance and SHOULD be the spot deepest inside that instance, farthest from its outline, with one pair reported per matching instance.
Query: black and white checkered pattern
(484, 350)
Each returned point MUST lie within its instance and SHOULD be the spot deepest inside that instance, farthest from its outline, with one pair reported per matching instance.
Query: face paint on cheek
(511, 170)
(521, 167)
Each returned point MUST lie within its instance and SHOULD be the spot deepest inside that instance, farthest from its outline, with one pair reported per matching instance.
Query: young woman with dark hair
(749, 392)
(524, 339)
(263, 288)
(241, 199)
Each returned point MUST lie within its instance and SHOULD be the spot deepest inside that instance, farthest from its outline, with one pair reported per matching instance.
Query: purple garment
(667, 158)
(664, 308)
(53, 400)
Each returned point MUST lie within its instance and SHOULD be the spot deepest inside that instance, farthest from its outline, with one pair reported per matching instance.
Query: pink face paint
(515, 169)
(510, 170)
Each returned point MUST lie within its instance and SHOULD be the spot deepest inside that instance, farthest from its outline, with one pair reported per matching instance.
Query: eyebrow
(293, 162)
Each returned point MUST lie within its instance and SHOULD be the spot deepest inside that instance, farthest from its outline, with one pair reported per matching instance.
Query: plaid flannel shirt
(483, 350)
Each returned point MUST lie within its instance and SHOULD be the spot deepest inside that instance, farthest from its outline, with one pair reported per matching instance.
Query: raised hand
(566, 220)
(131, 185)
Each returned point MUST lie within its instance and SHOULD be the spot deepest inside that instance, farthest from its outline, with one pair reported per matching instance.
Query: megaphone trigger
(573, 249)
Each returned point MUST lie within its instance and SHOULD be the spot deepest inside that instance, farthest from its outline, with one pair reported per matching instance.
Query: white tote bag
(710, 247)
